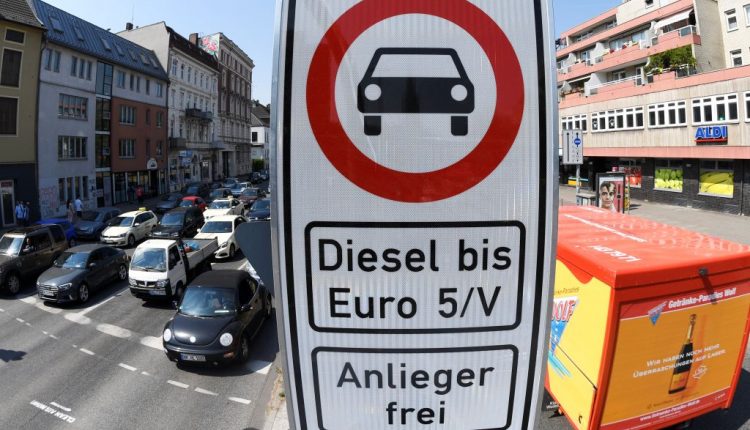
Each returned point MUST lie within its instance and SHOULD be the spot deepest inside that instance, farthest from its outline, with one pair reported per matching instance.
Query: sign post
(416, 209)
(572, 141)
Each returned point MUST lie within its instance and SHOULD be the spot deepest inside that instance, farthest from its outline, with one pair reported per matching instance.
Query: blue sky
(250, 23)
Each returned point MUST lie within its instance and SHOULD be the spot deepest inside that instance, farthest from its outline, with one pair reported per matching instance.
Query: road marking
(202, 391)
(20, 320)
(91, 308)
(75, 346)
(153, 342)
(48, 309)
(240, 400)
(52, 411)
(86, 351)
(60, 406)
(2, 310)
(78, 318)
(30, 300)
(127, 367)
(177, 384)
(114, 330)
(54, 337)
(28, 324)
(145, 374)
(45, 333)
(260, 366)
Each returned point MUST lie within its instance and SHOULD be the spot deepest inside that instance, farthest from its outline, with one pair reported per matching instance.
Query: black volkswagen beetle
(80, 270)
(219, 313)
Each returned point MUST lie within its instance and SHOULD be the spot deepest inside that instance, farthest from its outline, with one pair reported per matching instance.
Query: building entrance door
(7, 203)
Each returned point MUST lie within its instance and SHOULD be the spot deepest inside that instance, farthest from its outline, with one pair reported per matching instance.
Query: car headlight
(459, 92)
(162, 283)
(175, 234)
(132, 282)
(226, 339)
(64, 286)
(122, 235)
(224, 245)
(372, 92)
(167, 335)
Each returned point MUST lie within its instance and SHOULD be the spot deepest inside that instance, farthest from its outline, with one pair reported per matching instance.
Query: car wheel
(459, 125)
(244, 354)
(372, 125)
(14, 284)
(231, 252)
(72, 242)
(122, 272)
(178, 292)
(83, 293)
(131, 241)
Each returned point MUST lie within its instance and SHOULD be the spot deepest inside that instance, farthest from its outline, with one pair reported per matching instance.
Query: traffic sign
(414, 226)
(572, 142)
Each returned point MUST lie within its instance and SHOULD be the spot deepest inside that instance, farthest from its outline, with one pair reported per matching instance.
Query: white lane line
(127, 367)
(2, 310)
(30, 300)
(260, 366)
(91, 308)
(28, 324)
(177, 384)
(240, 400)
(75, 346)
(153, 342)
(45, 332)
(114, 330)
(202, 391)
(86, 351)
(54, 337)
(145, 374)
(48, 309)
(20, 320)
(61, 406)
(78, 318)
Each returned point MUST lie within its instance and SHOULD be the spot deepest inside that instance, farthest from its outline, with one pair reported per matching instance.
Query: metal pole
(578, 178)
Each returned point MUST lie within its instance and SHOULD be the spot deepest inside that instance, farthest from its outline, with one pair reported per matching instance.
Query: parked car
(93, 221)
(179, 222)
(81, 270)
(28, 251)
(230, 206)
(217, 184)
(168, 202)
(68, 228)
(222, 228)
(261, 209)
(264, 175)
(193, 201)
(238, 187)
(220, 312)
(229, 182)
(256, 177)
(197, 189)
(219, 193)
(128, 228)
(249, 196)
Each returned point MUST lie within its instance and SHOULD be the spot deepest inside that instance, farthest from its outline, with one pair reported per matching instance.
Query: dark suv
(29, 251)
(179, 222)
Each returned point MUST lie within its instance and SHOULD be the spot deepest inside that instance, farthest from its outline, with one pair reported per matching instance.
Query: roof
(262, 113)
(627, 251)
(255, 122)
(133, 213)
(196, 52)
(191, 198)
(26, 230)
(19, 11)
(223, 218)
(80, 35)
(221, 278)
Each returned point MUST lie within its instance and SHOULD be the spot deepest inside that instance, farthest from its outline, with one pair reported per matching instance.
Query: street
(102, 366)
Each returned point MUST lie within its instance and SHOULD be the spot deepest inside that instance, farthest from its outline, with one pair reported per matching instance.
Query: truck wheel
(14, 283)
(83, 293)
(131, 241)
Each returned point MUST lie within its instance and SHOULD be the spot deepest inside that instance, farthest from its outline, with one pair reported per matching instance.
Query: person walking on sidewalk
(139, 194)
(79, 207)
(19, 212)
(70, 213)
(26, 214)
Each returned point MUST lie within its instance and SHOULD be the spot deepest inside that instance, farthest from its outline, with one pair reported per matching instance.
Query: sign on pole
(415, 210)
(572, 143)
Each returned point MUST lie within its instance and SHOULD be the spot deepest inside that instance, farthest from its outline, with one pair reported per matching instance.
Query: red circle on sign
(408, 186)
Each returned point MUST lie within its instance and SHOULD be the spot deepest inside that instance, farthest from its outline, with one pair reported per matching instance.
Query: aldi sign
(415, 171)
(712, 135)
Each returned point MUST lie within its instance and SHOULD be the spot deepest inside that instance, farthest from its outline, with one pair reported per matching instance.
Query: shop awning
(672, 19)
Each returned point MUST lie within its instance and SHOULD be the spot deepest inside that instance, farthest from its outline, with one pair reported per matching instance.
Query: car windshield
(72, 260)
(171, 197)
(122, 221)
(10, 245)
(237, 186)
(149, 260)
(261, 205)
(91, 216)
(217, 227)
(208, 301)
(219, 204)
(192, 190)
(186, 203)
(173, 219)
(250, 192)
(217, 193)
(414, 66)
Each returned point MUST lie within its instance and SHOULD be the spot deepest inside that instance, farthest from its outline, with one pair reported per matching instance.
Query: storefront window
(716, 178)
(668, 175)
(633, 172)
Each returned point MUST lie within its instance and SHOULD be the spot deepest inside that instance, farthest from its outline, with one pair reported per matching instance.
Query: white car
(221, 207)
(129, 228)
(222, 229)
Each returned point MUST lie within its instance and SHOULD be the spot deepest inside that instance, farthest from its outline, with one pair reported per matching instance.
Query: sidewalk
(131, 206)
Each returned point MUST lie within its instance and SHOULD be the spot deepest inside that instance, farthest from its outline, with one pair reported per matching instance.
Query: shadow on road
(7, 355)
(735, 418)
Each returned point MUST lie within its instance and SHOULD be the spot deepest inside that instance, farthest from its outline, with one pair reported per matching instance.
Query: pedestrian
(69, 211)
(139, 194)
(78, 207)
(19, 212)
(26, 213)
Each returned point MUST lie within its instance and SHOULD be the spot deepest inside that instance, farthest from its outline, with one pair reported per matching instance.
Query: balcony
(198, 114)
(177, 143)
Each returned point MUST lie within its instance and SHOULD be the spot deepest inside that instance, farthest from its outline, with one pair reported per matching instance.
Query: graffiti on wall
(48, 201)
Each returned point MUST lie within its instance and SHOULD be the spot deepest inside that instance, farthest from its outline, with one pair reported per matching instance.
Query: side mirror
(136, 224)
(246, 307)
(92, 264)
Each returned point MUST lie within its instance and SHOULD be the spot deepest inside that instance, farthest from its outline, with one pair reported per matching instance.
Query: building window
(716, 109)
(8, 116)
(148, 148)
(71, 148)
(10, 70)
(190, 73)
(671, 114)
(127, 148)
(73, 66)
(72, 107)
(254, 136)
(617, 120)
(120, 79)
(51, 60)
(138, 84)
(159, 119)
(747, 15)
(127, 115)
(103, 114)
(575, 122)
(14, 36)
(132, 82)
(159, 90)
(716, 178)
(731, 17)
(148, 86)
(736, 57)
(668, 175)
(174, 67)
(159, 148)
(747, 106)
(182, 71)
(148, 116)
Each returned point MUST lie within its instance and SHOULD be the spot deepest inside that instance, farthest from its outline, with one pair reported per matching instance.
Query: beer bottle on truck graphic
(684, 361)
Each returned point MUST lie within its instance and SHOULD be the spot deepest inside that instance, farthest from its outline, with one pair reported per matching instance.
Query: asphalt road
(102, 366)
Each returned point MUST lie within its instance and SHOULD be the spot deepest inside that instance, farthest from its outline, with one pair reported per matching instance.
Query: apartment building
(194, 153)
(260, 131)
(661, 91)
(21, 37)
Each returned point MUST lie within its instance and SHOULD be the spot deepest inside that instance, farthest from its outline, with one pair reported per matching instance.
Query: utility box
(650, 322)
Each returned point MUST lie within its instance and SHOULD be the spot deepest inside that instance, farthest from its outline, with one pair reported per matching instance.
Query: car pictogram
(415, 80)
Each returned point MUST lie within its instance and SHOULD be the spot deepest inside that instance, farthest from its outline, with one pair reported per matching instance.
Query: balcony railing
(679, 32)
(199, 114)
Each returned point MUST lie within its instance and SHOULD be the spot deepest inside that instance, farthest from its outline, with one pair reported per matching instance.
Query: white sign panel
(572, 144)
(414, 200)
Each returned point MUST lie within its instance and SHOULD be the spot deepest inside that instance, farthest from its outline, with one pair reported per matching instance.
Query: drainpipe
(36, 127)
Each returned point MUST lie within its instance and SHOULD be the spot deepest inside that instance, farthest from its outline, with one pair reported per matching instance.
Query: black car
(179, 222)
(219, 313)
(81, 270)
(197, 189)
(393, 83)
(168, 202)
(92, 222)
(219, 193)
(261, 209)
(27, 251)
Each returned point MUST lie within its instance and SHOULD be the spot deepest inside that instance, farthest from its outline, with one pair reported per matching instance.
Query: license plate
(192, 357)
(157, 293)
